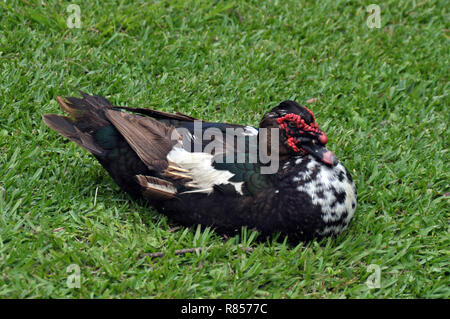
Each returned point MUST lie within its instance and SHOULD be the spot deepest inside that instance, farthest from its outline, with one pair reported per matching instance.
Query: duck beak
(321, 153)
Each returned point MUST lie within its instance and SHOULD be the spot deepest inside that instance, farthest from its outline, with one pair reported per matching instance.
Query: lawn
(382, 98)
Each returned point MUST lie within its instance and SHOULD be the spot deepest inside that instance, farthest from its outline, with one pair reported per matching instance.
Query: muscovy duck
(304, 193)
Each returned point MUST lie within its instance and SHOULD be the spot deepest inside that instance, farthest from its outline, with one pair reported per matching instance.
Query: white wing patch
(250, 131)
(198, 166)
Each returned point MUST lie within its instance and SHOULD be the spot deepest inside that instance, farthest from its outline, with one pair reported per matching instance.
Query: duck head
(299, 132)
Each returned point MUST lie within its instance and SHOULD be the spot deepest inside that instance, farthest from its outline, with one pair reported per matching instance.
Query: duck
(278, 178)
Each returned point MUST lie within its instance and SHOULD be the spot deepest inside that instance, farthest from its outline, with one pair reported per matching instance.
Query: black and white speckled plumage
(330, 191)
(311, 195)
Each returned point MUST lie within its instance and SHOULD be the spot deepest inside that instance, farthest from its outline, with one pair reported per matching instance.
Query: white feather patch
(325, 182)
(250, 131)
(199, 167)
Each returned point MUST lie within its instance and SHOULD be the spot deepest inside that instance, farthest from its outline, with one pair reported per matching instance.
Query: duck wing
(230, 169)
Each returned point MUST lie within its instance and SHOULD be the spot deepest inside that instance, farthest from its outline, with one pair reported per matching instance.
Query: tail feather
(86, 116)
(126, 145)
(88, 111)
(67, 128)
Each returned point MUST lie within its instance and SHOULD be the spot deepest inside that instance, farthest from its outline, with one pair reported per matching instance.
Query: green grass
(383, 100)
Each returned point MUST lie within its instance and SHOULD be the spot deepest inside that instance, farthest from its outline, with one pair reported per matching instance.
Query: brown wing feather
(150, 139)
(158, 114)
(156, 188)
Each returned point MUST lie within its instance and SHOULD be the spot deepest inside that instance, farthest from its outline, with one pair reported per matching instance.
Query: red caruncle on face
(291, 122)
